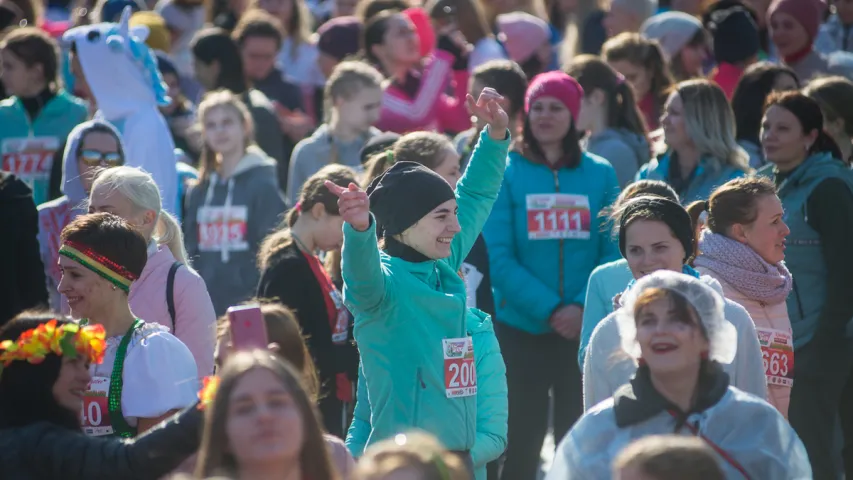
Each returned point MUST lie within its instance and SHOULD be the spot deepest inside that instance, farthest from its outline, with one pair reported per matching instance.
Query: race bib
(460, 374)
(473, 278)
(777, 351)
(558, 216)
(96, 415)
(340, 333)
(31, 159)
(218, 228)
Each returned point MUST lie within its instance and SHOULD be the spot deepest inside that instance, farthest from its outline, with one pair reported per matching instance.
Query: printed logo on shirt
(216, 232)
(31, 160)
(552, 216)
(95, 417)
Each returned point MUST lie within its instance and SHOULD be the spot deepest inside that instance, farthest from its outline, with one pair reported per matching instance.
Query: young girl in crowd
(527, 41)
(675, 327)
(40, 404)
(610, 117)
(291, 274)
(699, 129)
(656, 233)
(544, 238)
(758, 81)
(168, 292)
(683, 41)
(354, 96)
(816, 189)
(743, 247)
(411, 454)
(298, 54)
(38, 115)
(415, 102)
(412, 326)
(261, 422)
(91, 146)
(833, 94)
(642, 64)
(235, 204)
(147, 373)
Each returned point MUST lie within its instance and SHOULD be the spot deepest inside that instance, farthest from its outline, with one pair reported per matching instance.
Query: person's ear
(149, 217)
(738, 232)
(597, 97)
(318, 211)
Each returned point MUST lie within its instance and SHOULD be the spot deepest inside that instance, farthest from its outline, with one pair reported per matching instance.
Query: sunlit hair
(645, 53)
(139, 188)
(413, 451)
(670, 457)
(34, 47)
(710, 124)
(348, 79)
(227, 100)
(426, 148)
(215, 456)
(834, 95)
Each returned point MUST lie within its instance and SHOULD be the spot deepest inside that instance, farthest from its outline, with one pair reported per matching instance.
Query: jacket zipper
(560, 286)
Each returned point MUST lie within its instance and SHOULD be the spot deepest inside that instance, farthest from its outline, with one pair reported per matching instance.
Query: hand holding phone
(248, 329)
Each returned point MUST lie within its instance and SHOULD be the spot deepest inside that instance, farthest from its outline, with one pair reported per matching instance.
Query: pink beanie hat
(555, 84)
(521, 34)
(808, 12)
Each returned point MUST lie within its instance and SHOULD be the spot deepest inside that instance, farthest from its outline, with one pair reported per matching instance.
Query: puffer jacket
(45, 451)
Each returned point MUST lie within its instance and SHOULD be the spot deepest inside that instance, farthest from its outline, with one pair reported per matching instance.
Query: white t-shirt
(159, 375)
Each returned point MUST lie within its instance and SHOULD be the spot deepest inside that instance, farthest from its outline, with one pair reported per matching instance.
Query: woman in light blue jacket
(545, 237)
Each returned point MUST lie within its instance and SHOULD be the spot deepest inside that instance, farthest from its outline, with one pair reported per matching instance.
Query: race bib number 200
(777, 351)
(460, 373)
(553, 216)
(96, 415)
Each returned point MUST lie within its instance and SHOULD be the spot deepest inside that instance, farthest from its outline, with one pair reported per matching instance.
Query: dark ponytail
(810, 116)
(374, 34)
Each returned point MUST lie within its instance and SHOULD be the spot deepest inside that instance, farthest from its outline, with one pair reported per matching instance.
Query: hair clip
(389, 156)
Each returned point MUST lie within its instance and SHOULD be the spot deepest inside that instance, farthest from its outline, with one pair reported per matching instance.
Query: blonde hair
(710, 123)
(140, 189)
(221, 99)
(411, 451)
(348, 78)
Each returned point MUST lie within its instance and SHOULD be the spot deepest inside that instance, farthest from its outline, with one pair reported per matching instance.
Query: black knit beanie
(665, 210)
(735, 34)
(404, 194)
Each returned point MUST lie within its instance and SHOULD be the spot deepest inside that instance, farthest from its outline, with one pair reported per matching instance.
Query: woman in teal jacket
(545, 235)
(409, 303)
(699, 128)
(38, 116)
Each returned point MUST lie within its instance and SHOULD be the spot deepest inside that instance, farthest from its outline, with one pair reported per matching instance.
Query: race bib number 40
(219, 227)
(777, 351)
(96, 415)
(31, 159)
(553, 216)
(460, 373)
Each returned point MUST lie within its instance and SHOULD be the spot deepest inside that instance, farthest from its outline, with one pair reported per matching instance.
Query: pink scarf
(739, 266)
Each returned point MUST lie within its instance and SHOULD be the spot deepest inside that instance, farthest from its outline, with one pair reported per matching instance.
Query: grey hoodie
(252, 201)
(625, 150)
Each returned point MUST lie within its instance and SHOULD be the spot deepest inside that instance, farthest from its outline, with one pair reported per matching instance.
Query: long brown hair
(634, 48)
(221, 99)
(214, 454)
(35, 47)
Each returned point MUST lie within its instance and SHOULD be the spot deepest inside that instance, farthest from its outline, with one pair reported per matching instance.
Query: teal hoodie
(29, 146)
(404, 310)
(492, 404)
(605, 282)
(532, 277)
(705, 180)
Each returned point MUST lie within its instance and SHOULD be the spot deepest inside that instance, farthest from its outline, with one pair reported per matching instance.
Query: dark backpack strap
(170, 292)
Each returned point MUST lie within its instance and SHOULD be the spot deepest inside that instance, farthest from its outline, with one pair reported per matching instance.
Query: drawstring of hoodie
(225, 253)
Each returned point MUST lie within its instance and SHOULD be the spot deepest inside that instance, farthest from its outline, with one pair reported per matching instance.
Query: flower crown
(208, 391)
(70, 340)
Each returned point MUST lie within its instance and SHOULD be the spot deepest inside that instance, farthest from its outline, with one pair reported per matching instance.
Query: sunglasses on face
(93, 158)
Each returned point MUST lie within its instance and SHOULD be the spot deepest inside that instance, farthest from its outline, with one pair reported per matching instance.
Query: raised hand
(353, 204)
(488, 110)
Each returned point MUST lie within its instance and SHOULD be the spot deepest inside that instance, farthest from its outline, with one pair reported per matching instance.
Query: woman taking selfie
(40, 404)
(673, 326)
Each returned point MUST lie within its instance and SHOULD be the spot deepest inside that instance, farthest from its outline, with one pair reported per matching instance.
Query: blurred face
(669, 342)
(224, 130)
(637, 76)
(619, 19)
(207, 74)
(433, 233)
(105, 199)
(674, 123)
(766, 235)
(72, 381)
(693, 59)
(328, 231)
(259, 55)
(97, 150)
(343, 8)
(844, 8)
(550, 120)
(784, 82)
(788, 34)
(86, 291)
(327, 64)
(264, 423)
(17, 77)
(693, 7)
(782, 138)
(401, 43)
(360, 111)
(650, 246)
(449, 168)
(592, 109)
(283, 9)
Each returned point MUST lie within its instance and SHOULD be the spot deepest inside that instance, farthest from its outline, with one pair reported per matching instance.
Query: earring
(114, 287)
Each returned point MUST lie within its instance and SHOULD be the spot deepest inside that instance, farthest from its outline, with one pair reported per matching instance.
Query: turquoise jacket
(404, 310)
(605, 282)
(492, 405)
(704, 181)
(532, 277)
(804, 254)
(29, 146)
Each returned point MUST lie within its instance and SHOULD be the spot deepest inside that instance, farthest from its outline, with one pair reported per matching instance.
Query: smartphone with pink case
(248, 329)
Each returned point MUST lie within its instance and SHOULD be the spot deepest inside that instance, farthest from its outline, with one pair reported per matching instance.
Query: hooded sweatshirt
(247, 206)
(54, 215)
(28, 144)
(128, 89)
(625, 150)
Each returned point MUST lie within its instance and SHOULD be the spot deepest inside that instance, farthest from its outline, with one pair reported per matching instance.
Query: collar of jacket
(402, 251)
(638, 400)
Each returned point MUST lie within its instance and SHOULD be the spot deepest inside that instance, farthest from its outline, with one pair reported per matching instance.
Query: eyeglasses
(93, 158)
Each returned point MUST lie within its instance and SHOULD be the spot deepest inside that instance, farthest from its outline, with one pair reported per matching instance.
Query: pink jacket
(764, 316)
(195, 320)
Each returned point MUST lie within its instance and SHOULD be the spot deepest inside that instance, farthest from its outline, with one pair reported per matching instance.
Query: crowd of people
(466, 225)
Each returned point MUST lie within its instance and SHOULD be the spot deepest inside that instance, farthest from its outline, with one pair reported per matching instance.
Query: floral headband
(69, 340)
(208, 391)
(103, 266)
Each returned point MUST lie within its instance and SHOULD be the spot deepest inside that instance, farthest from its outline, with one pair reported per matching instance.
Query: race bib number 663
(553, 216)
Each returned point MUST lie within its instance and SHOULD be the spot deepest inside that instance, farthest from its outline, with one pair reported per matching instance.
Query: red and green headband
(103, 266)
